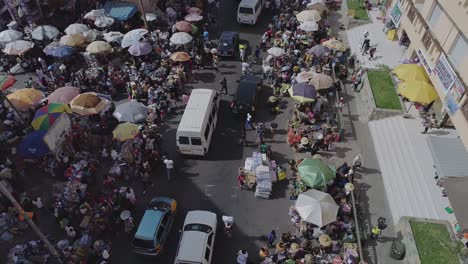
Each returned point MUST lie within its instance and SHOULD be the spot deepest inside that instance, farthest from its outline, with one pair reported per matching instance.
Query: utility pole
(50, 247)
(144, 13)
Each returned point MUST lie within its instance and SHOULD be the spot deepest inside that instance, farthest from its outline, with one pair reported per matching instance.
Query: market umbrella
(335, 44)
(88, 104)
(180, 56)
(61, 51)
(131, 111)
(304, 76)
(315, 173)
(418, 92)
(76, 29)
(113, 36)
(309, 26)
(91, 35)
(316, 207)
(18, 47)
(183, 26)
(318, 50)
(150, 16)
(321, 81)
(50, 47)
(45, 32)
(94, 14)
(303, 92)
(141, 48)
(25, 98)
(46, 115)
(10, 35)
(63, 95)
(180, 38)
(6, 81)
(195, 10)
(321, 7)
(276, 51)
(73, 40)
(325, 240)
(104, 21)
(32, 145)
(125, 131)
(98, 47)
(133, 37)
(193, 17)
(411, 72)
(308, 15)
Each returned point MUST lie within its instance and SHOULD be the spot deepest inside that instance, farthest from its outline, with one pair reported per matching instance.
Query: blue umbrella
(305, 90)
(62, 51)
(32, 145)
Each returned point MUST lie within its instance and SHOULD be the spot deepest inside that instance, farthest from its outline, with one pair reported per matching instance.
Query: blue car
(155, 226)
(228, 43)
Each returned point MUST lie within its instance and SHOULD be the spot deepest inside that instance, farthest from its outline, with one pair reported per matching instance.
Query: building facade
(438, 31)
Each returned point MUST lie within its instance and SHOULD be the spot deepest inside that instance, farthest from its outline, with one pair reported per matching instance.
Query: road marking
(235, 193)
(207, 193)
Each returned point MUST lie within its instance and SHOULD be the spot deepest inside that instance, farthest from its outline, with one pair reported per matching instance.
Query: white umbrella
(10, 35)
(181, 38)
(304, 76)
(192, 17)
(309, 26)
(98, 47)
(94, 14)
(113, 36)
(132, 37)
(308, 15)
(276, 52)
(104, 21)
(150, 16)
(316, 207)
(45, 32)
(76, 29)
(91, 35)
(18, 47)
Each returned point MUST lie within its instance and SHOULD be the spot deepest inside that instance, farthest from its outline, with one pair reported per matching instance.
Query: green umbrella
(315, 173)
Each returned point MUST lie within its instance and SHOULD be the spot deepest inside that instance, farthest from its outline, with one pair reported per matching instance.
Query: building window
(458, 53)
(435, 16)
(427, 39)
(412, 14)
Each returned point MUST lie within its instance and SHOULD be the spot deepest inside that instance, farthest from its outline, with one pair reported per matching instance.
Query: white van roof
(192, 246)
(200, 101)
(201, 217)
(248, 3)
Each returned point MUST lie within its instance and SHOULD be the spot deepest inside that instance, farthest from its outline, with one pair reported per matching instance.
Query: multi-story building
(438, 31)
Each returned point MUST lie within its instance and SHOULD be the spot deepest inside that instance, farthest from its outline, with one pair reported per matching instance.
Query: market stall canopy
(180, 56)
(309, 26)
(193, 17)
(449, 155)
(276, 52)
(315, 173)
(321, 7)
(150, 16)
(308, 15)
(92, 35)
(32, 145)
(45, 32)
(456, 189)
(18, 47)
(94, 14)
(25, 98)
(180, 38)
(61, 51)
(119, 10)
(10, 35)
(6, 81)
(131, 111)
(88, 104)
(183, 26)
(411, 72)
(319, 50)
(63, 95)
(304, 76)
(46, 115)
(316, 207)
(321, 81)
(335, 44)
(73, 40)
(303, 92)
(113, 36)
(125, 131)
(98, 47)
(418, 92)
(140, 49)
(133, 37)
(50, 47)
(76, 28)
(104, 21)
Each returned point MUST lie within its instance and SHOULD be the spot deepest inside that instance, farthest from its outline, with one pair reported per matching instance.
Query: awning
(120, 11)
(456, 189)
(450, 156)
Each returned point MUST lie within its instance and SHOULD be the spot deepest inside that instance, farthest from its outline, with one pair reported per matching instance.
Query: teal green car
(155, 226)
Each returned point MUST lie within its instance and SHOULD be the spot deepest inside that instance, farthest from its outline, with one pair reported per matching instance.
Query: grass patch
(359, 10)
(434, 243)
(385, 95)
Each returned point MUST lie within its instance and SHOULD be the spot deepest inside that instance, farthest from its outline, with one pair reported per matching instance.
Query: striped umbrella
(46, 115)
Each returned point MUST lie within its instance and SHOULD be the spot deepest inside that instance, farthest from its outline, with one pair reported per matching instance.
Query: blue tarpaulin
(120, 11)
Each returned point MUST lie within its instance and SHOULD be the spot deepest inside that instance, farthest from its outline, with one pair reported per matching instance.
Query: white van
(198, 122)
(249, 11)
(197, 238)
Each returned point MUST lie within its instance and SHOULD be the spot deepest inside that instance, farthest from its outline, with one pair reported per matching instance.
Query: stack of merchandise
(264, 184)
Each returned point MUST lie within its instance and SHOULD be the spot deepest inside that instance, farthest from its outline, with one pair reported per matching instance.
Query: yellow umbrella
(98, 47)
(335, 45)
(23, 99)
(73, 40)
(308, 15)
(418, 91)
(125, 131)
(411, 72)
(321, 81)
(88, 104)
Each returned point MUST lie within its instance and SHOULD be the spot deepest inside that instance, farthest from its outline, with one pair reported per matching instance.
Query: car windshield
(246, 10)
(198, 227)
(159, 205)
(143, 243)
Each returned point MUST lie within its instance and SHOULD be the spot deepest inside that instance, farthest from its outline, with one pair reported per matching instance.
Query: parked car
(247, 94)
(155, 226)
(197, 239)
(228, 43)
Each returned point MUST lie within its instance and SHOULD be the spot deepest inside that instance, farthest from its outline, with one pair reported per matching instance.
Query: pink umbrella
(193, 17)
(183, 26)
(140, 48)
(63, 95)
(195, 10)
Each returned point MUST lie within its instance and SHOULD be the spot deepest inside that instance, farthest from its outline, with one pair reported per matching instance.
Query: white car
(197, 239)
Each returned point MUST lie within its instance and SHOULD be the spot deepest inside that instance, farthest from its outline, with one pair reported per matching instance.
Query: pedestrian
(357, 161)
(223, 83)
(145, 179)
(70, 231)
(245, 67)
(242, 54)
(356, 82)
(429, 123)
(128, 225)
(257, 52)
(372, 52)
(130, 196)
(243, 139)
(169, 167)
(382, 223)
(375, 232)
(242, 256)
(271, 239)
(248, 121)
(365, 46)
(215, 63)
(241, 181)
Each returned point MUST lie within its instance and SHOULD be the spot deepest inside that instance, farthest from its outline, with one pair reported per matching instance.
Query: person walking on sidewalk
(372, 52)
(169, 167)
(248, 121)
(271, 239)
(223, 83)
(429, 123)
(365, 46)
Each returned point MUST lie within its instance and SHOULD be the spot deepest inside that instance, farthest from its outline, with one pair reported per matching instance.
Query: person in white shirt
(130, 196)
(242, 256)
(169, 167)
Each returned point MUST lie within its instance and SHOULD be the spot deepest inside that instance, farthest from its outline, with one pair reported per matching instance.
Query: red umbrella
(183, 26)
(6, 81)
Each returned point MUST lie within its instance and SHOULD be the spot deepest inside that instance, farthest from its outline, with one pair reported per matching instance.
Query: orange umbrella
(25, 98)
(180, 56)
(183, 26)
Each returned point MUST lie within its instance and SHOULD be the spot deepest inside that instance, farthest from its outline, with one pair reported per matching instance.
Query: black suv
(247, 94)
(228, 43)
